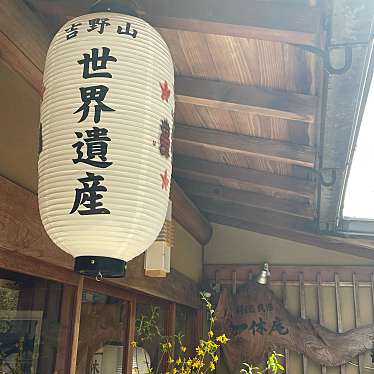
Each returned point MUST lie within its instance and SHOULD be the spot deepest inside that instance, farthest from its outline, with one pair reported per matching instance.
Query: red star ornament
(165, 180)
(165, 91)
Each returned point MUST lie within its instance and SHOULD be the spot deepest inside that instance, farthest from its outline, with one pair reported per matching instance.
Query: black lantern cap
(100, 267)
(116, 6)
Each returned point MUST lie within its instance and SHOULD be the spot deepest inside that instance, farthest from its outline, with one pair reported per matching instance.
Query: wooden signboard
(256, 322)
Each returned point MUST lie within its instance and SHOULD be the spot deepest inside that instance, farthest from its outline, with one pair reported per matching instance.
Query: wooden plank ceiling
(247, 103)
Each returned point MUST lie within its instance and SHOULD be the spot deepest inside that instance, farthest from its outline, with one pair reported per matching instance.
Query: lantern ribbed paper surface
(106, 123)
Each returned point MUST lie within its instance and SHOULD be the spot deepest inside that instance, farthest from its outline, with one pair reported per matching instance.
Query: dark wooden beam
(238, 18)
(24, 41)
(257, 200)
(244, 144)
(254, 215)
(233, 96)
(188, 216)
(271, 183)
(355, 247)
(270, 20)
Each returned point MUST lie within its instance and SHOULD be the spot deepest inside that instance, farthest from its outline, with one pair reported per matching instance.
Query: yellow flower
(222, 339)
(215, 358)
(178, 361)
(183, 348)
(168, 372)
(197, 364)
(212, 366)
(170, 360)
(174, 371)
(210, 333)
(133, 344)
(189, 362)
(199, 351)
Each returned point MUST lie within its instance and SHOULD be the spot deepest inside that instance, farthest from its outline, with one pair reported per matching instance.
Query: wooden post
(129, 336)
(170, 331)
(357, 315)
(234, 282)
(76, 323)
(284, 301)
(64, 334)
(303, 314)
(339, 312)
(321, 319)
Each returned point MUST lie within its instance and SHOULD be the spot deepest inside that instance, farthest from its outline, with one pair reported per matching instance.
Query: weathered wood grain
(286, 185)
(235, 97)
(217, 192)
(242, 144)
(254, 215)
(355, 247)
(188, 215)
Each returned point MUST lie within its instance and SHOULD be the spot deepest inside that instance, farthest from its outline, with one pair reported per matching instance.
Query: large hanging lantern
(106, 125)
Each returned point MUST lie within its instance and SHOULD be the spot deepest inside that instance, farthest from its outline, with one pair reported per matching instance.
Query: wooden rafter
(355, 247)
(274, 184)
(235, 97)
(257, 200)
(24, 41)
(188, 216)
(254, 215)
(286, 23)
(246, 145)
(239, 18)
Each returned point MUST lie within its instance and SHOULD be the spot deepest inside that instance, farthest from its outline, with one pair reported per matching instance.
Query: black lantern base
(100, 267)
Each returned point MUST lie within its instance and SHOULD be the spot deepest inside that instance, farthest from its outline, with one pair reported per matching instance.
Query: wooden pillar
(64, 335)
(76, 324)
(129, 338)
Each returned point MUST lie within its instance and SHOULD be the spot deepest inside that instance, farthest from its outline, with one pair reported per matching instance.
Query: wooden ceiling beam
(256, 200)
(270, 20)
(274, 184)
(188, 215)
(254, 215)
(254, 100)
(24, 43)
(355, 247)
(279, 22)
(245, 145)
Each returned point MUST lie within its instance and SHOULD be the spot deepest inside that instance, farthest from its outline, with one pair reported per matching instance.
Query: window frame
(348, 226)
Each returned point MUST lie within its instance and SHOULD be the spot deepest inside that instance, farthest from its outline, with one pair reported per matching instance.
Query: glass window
(101, 334)
(358, 204)
(33, 325)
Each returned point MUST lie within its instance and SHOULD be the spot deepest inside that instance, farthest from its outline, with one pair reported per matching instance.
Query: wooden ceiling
(248, 103)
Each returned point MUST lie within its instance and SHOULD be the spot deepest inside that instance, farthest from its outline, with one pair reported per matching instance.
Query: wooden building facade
(251, 176)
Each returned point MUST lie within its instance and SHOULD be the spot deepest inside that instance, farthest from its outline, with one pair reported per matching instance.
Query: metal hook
(322, 179)
(348, 58)
(325, 55)
(99, 277)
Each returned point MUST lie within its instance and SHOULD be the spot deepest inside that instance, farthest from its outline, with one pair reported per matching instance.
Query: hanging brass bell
(262, 278)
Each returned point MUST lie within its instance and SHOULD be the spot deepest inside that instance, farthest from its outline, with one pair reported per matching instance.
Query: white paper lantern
(106, 125)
